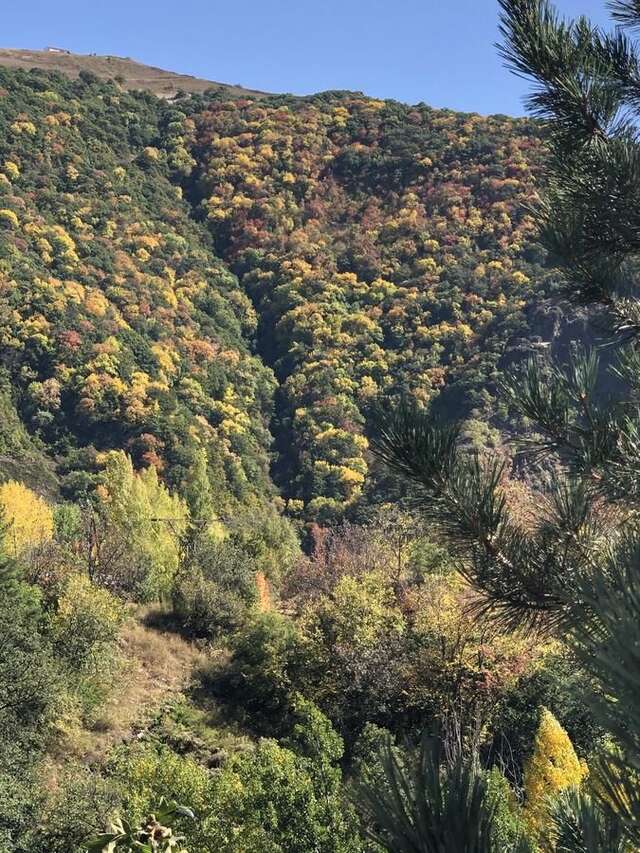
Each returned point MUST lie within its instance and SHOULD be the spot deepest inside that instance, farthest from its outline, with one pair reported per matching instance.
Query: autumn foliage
(384, 247)
(27, 517)
(361, 247)
(552, 767)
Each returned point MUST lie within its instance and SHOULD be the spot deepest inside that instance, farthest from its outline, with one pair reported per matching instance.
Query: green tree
(198, 495)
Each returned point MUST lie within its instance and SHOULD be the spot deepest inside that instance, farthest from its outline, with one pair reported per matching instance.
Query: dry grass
(265, 603)
(163, 83)
(158, 666)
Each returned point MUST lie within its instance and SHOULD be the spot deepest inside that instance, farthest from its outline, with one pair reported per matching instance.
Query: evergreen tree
(577, 569)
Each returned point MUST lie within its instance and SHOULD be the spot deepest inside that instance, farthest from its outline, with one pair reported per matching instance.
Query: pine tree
(577, 570)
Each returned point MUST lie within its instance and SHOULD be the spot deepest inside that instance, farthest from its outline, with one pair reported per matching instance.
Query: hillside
(121, 328)
(252, 276)
(211, 590)
(131, 74)
(387, 250)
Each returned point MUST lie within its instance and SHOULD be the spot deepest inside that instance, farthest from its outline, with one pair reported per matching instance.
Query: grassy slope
(163, 83)
(157, 666)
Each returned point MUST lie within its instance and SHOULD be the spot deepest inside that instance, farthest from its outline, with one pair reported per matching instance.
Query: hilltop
(131, 74)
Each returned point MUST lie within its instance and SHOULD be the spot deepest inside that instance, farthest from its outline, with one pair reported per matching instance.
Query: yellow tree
(28, 518)
(86, 624)
(552, 767)
(145, 523)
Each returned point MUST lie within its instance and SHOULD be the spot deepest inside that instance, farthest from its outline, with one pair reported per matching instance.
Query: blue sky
(437, 51)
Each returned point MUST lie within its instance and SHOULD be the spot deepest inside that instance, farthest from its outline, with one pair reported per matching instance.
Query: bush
(213, 595)
(79, 806)
(560, 684)
(264, 672)
(267, 799)
(274, 801)
(84, 631)
(86, 624)
(147, 773)
(509, 826)
(30, 688)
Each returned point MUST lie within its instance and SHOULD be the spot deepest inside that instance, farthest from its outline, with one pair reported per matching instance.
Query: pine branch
(568, 421)
(625, 12)
(455, 491)
(605, 631)
(587, 88)
(574, 75)
(524, 578)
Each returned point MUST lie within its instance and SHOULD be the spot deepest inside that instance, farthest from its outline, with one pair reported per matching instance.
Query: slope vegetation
(119, 328)
(220, 270)
(386, 248)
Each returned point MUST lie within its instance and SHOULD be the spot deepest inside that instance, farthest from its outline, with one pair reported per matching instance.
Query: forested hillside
(176, 274)
(386, 248)
(120, 327)
(215, 612)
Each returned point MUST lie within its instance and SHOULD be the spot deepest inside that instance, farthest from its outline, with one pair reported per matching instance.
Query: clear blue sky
(437, 51)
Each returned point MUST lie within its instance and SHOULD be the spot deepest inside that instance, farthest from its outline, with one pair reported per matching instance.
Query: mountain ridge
(135, 75)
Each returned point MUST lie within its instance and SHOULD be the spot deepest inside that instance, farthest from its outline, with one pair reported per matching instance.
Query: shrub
(552, 767)
(84, 630)
(509, 827)
(212, 595)
(264, 672)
